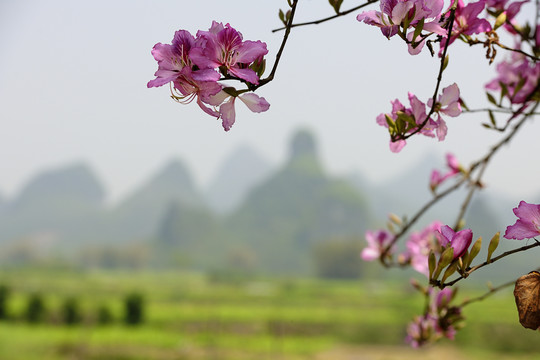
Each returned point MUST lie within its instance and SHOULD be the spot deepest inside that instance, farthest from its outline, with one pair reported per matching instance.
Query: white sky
(73, 88)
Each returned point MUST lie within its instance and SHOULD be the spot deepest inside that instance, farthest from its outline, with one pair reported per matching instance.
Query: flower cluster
(467, 22)
(517, 79)
(440, 320)
(378, 243)
(193, 66)
(396, 15)
(434, 239)
(419, 245)
(437, 178)
(414, 119)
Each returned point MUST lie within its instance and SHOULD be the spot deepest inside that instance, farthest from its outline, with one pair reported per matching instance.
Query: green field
(193, 316)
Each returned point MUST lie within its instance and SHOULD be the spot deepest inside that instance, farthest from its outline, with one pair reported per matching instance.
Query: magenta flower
(528, 224)
(190, 65)
(511, 9)
(394, 13)
(440, 319)
(447, 103)
(175, 66)
(459, 241)
(225, 49)
(519, 75)
(436, 178)
(378, 241)
(419, 245)
(467, 21)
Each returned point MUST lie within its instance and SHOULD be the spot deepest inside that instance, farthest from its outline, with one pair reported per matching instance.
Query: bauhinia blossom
(441, 319)
(228, 114)
(528, 224)
(454, 168)
(459, 241)
(378, 242)
(194, 65)
(419, 245)
(224, 48)
(519, 76)
(406, 14)
(467, 21)
(402, 120)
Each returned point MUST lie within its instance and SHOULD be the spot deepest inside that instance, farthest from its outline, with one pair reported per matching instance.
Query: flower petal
(228, 114)
(254, 102)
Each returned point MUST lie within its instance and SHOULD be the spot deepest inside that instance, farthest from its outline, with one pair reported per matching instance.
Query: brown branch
(270, 77)
(439, 78)
(320, 21)
(465, 179)
(487, 294)
(503, 255)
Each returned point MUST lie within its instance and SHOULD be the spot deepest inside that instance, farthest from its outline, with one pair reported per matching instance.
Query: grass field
(192, 316)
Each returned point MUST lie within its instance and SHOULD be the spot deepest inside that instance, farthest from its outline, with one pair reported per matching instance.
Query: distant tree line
(70, 311)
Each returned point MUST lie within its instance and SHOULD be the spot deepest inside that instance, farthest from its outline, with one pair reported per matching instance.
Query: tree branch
(320, 21)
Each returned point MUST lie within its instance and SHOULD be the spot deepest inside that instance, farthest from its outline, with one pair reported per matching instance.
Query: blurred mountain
(284, 217)
(58, 204)
(287, 221)
(235, 178)
(138, 216)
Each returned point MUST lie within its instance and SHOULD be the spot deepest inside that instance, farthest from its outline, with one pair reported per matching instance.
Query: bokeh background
(111, 192)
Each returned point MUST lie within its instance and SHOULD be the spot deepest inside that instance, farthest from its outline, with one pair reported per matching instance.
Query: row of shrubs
(70, 311)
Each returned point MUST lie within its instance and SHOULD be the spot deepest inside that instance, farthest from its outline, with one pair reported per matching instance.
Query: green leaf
(463, 105)
(445, 63)
(493, 244)
(391, 123)
(449, 271)
(282, 17)
(475, 249)
(500, 20)
(431, 263)
(491, 99)
(336, 4)
(492, 118)
(519, 86)
(446, 258)
(418, 29)
(504, 91)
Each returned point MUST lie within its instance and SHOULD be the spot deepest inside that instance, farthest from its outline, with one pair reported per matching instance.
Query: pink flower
(440, 319)
(174, 65)
(528, 224)
(396, 13)
(419, 245)
(459, 241)
(519, 75)
(227, 112)
(466, 21)
(225, 49)
(436, 178)
(378, 241)
(511, 9)
(190, 64)
(447, 103)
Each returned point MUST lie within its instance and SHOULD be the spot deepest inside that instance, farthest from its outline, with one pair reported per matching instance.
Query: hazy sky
(73, 80)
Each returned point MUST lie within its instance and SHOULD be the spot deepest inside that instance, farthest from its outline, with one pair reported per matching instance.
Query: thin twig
(503, 255)
(487, 294)
(270, 77)
(341, 13)
(439, 78)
